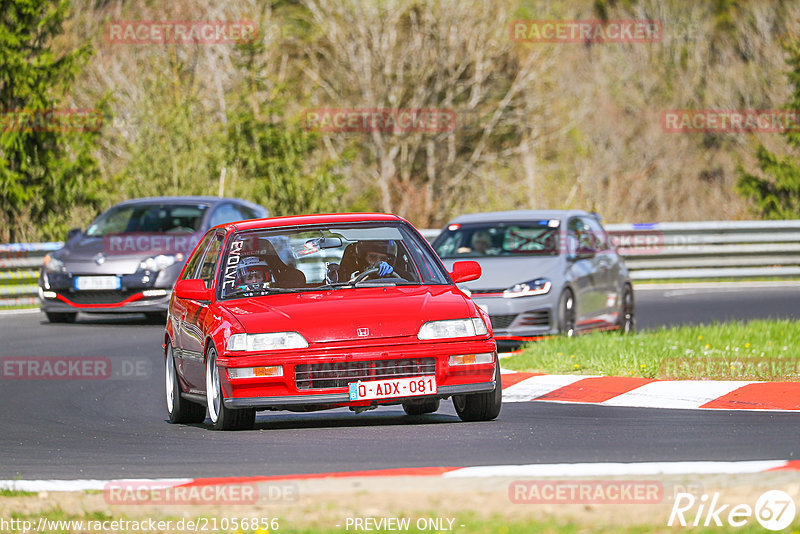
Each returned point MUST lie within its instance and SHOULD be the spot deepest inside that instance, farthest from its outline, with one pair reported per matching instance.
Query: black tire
(421, 408)
(222, 417)
(180, 410)
(627, 317)
(566, 313)
(61, 317)
(481, 406)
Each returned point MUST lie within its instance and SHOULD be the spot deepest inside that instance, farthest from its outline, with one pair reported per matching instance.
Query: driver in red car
(376, 255)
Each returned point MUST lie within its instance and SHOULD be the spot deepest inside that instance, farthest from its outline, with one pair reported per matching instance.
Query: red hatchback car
(324, 311)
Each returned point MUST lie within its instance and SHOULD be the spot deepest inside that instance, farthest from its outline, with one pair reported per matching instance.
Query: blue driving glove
(384, 269)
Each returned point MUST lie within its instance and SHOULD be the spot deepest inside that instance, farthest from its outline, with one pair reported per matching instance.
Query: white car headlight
(53, 265)
(271, 341)
(452, 328)
(160, 262)
(540, 286)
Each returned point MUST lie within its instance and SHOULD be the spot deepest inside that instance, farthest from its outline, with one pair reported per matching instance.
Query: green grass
(757, 350)
(15, 493)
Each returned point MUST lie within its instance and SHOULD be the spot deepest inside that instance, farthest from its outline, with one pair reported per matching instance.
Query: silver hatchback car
(128, 259)
(544, 273)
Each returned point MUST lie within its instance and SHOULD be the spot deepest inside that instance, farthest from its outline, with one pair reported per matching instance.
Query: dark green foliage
(43, 174)
(777, 195)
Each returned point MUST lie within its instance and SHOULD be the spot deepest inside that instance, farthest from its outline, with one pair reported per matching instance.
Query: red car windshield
(278, 260)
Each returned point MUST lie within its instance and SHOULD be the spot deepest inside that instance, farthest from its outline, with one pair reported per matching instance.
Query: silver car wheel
(213, 393)
(628, 322)
(170, 379)
(567, 314)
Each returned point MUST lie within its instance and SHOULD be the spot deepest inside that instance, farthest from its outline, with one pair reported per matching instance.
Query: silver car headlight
(452, 328)
(160, 262)
(540, 286)
(53, 265)
(270, 341)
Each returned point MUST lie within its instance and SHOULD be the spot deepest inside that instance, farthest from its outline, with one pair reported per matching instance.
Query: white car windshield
(537, 238)
(148, 218)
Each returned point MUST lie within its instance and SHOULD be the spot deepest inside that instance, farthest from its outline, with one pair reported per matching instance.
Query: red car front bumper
(319, 378)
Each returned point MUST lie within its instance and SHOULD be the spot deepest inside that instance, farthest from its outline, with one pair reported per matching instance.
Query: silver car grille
(502, 321)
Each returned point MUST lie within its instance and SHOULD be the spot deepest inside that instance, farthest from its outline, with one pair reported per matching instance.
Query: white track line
(20, 311)
(536, 386)
(515, 471)
(617, 469)
(675, 394)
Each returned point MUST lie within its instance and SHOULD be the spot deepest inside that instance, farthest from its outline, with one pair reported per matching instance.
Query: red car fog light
(252, 372)
(470, 359)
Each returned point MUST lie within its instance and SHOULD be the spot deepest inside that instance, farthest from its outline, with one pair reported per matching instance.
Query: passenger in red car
(253, 274)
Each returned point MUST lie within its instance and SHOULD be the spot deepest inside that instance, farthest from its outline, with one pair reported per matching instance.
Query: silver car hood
(92, 255)
(502, 273)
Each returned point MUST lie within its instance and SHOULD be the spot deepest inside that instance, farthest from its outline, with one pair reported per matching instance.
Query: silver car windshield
(498, 239)
(149, 218)
(262, 262)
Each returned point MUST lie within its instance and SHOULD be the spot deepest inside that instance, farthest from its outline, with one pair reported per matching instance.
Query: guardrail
(709, 249)
(19, 269)
(656, 251)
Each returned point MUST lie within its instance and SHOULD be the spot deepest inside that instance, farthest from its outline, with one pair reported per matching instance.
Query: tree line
(525, 125)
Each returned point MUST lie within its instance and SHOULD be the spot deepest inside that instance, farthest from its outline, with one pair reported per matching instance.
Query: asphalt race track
(116, 428)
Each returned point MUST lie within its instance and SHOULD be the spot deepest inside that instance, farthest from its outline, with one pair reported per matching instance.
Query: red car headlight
(452, 328)
(269, 341)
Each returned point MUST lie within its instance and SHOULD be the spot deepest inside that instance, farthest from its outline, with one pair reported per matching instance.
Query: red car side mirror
(192, 290)
(465, 271)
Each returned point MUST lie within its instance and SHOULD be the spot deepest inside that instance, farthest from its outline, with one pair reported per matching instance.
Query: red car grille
(339, 374)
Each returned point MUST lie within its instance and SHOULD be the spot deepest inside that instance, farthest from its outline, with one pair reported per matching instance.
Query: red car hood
(338, 315)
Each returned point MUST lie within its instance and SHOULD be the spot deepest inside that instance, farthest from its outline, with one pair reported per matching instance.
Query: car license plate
(84, 283)
(393, 387)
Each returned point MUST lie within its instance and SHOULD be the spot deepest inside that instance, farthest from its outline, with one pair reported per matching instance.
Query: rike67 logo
(774, 510)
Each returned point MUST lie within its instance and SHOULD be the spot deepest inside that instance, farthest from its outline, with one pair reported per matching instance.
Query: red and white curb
(526, 470)
(651, 393)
